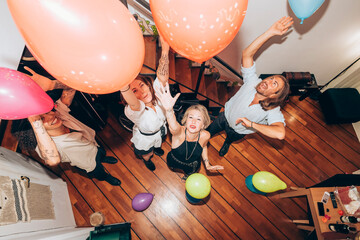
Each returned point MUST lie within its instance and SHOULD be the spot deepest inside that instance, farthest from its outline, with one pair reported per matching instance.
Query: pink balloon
(92, 46)
(198, 29)
(142, 201)
(20, 96)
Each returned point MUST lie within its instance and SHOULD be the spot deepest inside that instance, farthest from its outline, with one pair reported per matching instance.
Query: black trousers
(99, 171)
(221, 124)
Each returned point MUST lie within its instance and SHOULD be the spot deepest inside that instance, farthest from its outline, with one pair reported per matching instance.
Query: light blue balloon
(305, 8)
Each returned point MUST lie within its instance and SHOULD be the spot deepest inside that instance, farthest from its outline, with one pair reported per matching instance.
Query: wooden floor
(311, 152)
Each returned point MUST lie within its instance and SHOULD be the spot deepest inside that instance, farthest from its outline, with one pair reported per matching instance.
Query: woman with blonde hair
(189, 140)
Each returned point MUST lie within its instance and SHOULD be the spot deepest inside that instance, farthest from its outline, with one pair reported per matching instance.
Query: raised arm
(130, 98)
(275, 130)
(47, 85)
(280, 27)
(168, 103)
(47, 147)
(67, 96)
(162, 72)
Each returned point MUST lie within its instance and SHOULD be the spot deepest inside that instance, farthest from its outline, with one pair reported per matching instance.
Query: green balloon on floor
(198, 186)
(267, 182)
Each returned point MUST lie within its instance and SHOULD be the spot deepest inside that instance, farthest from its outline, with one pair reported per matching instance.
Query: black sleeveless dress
(186, 157)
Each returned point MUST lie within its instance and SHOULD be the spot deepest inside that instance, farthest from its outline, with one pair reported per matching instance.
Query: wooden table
(315, 195)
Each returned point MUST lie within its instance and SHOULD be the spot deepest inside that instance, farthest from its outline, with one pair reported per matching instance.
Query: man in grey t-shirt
(256, 106)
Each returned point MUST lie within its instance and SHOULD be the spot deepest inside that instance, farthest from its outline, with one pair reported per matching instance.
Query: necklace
(186, 147)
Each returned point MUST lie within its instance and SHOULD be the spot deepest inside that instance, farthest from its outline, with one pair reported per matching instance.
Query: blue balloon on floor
(191, 199)
(250, 186)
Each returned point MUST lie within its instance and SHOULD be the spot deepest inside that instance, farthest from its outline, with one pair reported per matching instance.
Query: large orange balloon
(198, 29)
(93, 46)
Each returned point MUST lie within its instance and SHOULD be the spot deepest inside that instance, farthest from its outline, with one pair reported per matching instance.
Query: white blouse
(147, 120)
(78, 148)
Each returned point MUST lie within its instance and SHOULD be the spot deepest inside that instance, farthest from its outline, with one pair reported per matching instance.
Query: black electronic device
(333, 199)
(321, 208)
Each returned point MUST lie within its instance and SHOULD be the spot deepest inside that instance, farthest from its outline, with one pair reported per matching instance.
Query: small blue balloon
(250, 186)
(305, 8)
(191, 199)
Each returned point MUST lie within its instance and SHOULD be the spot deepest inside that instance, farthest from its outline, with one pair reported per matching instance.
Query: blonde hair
(202, 110)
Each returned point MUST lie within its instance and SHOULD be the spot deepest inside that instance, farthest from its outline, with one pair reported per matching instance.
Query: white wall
(11, 42)
(325, 44)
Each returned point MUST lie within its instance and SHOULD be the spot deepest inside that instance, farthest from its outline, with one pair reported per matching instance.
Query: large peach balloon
(198, 29)
(20, 96)
(93, 46)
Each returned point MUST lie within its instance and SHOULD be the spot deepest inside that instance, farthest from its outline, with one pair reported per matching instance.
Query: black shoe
(150, 165)
(224, 149)
(112, 180)
(108, 159)
(159, 151)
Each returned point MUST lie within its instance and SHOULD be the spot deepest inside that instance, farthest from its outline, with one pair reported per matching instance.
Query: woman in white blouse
(146, 112)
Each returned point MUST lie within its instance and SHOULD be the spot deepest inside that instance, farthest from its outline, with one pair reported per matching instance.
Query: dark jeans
(99, 171)
(220, 124)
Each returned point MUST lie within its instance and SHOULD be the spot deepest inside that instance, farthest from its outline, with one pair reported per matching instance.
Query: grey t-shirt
(238, 105)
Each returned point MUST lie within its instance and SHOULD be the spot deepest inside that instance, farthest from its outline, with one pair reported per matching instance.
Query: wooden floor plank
(324, 134)
(257, 160)
(180, 194)
(100, 203)
(348, 126)
(319, 145)
(161, 192)
(336, 129)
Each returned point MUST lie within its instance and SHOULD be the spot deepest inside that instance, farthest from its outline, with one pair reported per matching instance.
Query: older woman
(189, 140)
(146, 112)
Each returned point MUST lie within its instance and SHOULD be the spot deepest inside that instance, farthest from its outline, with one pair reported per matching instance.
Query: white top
(238, 105)
(148, 121)
(78, 148)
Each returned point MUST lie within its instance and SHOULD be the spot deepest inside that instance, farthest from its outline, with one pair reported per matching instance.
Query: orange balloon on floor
(92, 46)
(198, 29)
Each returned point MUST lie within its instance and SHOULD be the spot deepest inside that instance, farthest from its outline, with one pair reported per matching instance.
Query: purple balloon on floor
(142, 201)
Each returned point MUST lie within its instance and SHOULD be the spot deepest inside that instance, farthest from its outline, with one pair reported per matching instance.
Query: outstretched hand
(164, 95)
(244, 121)
(214, 168)
(281, 26)
(45, 83)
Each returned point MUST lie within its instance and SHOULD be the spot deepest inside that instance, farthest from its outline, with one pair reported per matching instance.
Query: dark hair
(149, 82)
(279, 99)
(23, 132)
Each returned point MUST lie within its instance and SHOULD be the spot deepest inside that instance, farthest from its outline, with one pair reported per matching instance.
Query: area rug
(7, 202)
(20, 201)
(40, 202)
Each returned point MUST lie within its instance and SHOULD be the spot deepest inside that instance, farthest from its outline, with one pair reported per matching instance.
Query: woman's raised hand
(281, 26)
(164, 95)
(45, 83)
